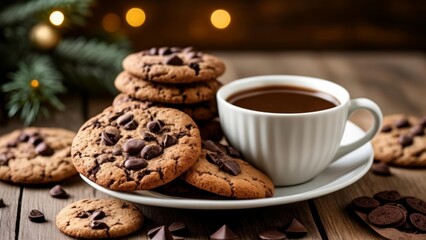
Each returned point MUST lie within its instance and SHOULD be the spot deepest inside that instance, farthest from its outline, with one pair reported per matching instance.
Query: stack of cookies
(184, 79)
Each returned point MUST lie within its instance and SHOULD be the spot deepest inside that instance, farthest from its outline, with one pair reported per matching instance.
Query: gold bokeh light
(34, 83)
(220, 19)
(111, 22)
(135, 17)
(57, 18)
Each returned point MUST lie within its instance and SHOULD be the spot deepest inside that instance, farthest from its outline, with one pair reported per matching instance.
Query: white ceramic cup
(292, 148)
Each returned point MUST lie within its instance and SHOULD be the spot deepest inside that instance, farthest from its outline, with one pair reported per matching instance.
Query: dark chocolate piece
(387, 216)
(169, 140)
(415, 204)
(43, 149)
(386, 128)
(405, 140)
(296, 229)
(179, 229)
(174, 60)
(58, 192)
(151, 151)
(223, 233)
(381, 169)
(36, 216)
(402, 123)
(135, 163)
(387, 196)
(419, 221)
(154, 126)
(98, 225)
(163, 234)
(272, 234)
(365, 204)
(97, 215)
(2, 204)
(133, 146)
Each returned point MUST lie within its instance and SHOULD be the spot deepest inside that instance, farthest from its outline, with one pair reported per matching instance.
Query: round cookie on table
(402, 141)
(174, 65)
(135, 147)
(220, 170)
(99, 218)
(36, 155)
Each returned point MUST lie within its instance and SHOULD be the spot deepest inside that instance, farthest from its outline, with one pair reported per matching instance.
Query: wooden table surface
(395, 81)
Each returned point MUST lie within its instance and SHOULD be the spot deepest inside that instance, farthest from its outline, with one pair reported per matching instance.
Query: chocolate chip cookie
(166, 93)
(133, 147)
(220, 170)
(402, 141)
(174, 65)
(199, 111)
(99, 218)
(36, 156)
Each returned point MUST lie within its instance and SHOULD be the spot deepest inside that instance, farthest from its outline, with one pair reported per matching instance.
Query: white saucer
(338, 175)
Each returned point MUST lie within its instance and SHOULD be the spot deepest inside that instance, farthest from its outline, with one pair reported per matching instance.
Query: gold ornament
(44, 37)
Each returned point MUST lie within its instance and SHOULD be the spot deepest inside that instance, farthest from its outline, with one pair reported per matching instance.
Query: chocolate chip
(153, 51)
(98, 214)
(164, 51)
(419, 221)
(43, 149)
(415, 204)
(5, 157)
(223, 233)
(188, 49)
(210, 145)
(113, 133)
(365, 204)
(174, 60)
(146, 136)
(36, 216)
(151, 233)
(169, 140)
(83, 214)
(231, 167)
(179, 229)
(417, 130)
(58, 192)
(104, 158)
(214, 158)
(296, 229)
(386, 128)
(195, 66)
(117, 150)
(233, 152)
(151, 151)
(423, 122)
(154, 126)
(387, 216)
(2, 205)
(163, 234)
(131, 125)
(12, 144)
(35, 140)
(23, 137)
(387, 196)
(402, 123)
(176, 49)
(133, 146)
(381, 169)
(135, 163)
(405, 140)
(193, 55)
(98, 225)
(124, 119)
(272, 234)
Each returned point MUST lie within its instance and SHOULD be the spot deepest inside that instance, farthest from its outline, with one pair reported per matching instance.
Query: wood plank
(395, 82)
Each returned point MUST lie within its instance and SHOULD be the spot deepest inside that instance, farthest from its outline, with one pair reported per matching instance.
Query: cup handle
(373, 108)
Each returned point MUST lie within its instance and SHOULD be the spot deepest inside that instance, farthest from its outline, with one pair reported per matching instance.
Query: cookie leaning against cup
(36, 156)
(220, 170)
(134, 147)
(174, 65)
(402, 141)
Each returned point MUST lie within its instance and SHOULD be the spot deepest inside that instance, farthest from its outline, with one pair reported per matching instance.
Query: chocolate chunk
(117, 150)
(2, 205)
(113, 133)
(387, 196)
(44, 150)
(83, 214)
(58, 192)
(174, 60)
(98, 214)
(387, 216)
(131, 125)
(169, 140)
(193, 55)
(402, 123)
(23, 137)
(386, 128)
(151, 151)
(415, 204)
(164, 51)
(175, 49)
(210, 145)
(35, 140)
(135, 163)
(419, 221)
(5, 157)
(233, 152)
(296, 229)
(223, 233)
(365, 204)
(195, 66)
(154, 126)
(124, 119)
(104, 158)
(417, 130)
(106, 139)
(272, 234)
(98, 225)
(214, 158)
(153, 51)
(179, 229)
(36, 216)
(147, 136)
(12, 144)
(423, 122)
(151, 233)
(381, 169)
(188, 49)
(405, 140)
(133, 146)
(163, 234)
(231, 167)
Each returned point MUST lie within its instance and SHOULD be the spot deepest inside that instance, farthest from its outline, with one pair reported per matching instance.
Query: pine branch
(74, 10)
(33, 87)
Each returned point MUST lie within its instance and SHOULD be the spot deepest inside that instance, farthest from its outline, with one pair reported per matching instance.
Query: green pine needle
(29, 98)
